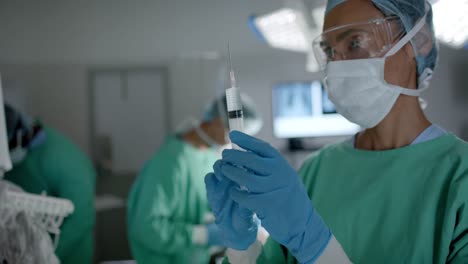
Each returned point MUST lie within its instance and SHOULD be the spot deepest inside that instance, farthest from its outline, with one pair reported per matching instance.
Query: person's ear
(409, 51)
(424, 41)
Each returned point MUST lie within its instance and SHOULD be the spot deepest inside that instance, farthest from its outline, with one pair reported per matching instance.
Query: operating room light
(318, 14)
(451, 22)
(284, 29)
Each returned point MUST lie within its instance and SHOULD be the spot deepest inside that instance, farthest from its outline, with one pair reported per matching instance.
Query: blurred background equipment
(28, 222)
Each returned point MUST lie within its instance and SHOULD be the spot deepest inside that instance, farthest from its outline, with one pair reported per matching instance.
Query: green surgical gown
(407, 205)
(60, 169)
(166, 201)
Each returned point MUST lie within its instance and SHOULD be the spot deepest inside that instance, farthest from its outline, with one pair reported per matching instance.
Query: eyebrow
(348, 32)
(342, 36)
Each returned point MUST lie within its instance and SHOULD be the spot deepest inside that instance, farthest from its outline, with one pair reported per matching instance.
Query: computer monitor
(302, 109)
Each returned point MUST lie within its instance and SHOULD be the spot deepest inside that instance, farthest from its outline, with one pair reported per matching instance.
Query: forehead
(352, 11)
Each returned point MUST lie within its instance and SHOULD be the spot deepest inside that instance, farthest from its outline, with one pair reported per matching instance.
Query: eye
(355, 44)
(327, 50)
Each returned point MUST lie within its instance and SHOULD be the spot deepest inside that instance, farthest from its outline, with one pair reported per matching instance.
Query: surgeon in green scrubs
(44, 160)
(397, 192)
(167, 204)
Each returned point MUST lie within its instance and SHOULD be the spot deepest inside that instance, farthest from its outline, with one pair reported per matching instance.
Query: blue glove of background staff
(237, 224)
(276, 194)
(214, 235)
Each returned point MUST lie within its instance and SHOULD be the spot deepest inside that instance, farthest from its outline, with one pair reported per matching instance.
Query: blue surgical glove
(276, 194)
(237, 224)
(214, 235)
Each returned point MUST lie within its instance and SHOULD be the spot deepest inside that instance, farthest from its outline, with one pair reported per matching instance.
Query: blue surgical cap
(332, 4)
(409, 11)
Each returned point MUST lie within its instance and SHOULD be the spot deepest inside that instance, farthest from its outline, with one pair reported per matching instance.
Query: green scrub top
(407, 205)
(60, 169)
(166, 201)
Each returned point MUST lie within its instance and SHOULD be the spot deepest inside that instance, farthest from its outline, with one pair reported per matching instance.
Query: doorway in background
(129, 121)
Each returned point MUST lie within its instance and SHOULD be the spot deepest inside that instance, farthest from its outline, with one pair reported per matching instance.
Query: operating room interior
(118, 77)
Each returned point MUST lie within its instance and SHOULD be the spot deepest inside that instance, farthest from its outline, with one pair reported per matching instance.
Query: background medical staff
(397, 192)
(46, 161)
(167, 204)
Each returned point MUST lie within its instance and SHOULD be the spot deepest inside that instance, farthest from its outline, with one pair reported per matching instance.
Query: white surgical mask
(206, 138)
(359, 90)
(18, 154)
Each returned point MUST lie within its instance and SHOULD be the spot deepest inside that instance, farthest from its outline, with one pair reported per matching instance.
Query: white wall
(109, 31)
(193, 84)
(448, 95)
(57, 94)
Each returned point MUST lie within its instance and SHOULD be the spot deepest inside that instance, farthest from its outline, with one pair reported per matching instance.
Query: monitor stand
(295, 144)
(303, 144)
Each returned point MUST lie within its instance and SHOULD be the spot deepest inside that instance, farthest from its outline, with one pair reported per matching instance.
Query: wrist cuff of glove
(310, 242)
(313, 247)
(248, 256)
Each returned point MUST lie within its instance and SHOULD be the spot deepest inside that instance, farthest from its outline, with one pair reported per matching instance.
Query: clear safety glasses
(365, 40)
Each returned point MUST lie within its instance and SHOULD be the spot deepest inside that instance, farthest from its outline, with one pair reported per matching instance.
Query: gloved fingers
(259, 203)
(248, 160)
(214, 234)
(217, 192)
(245, 213)
(243, 219)
(217, 169)
(223, 180)
(225, 213)
(213, 186)
(252, 144)
(211, 181)
(212, 227)
(245, 178)
(244, 199)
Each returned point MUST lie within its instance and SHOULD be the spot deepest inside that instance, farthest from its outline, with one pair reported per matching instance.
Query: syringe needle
(233, 102)
(230, 61)
(231, 72)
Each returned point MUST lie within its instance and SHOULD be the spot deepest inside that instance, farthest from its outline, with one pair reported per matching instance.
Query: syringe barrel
(236, 124)
(233, 99)
(234, 111)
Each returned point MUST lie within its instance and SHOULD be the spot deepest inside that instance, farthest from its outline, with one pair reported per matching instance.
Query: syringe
(236, 122)
(234, 103)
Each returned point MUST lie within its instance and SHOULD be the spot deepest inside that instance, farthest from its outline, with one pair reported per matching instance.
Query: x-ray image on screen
(302, 109)
(327, 106)
(294, 101)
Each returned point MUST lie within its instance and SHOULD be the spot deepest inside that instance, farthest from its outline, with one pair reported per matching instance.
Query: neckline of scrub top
(443, 142)
(432, 132)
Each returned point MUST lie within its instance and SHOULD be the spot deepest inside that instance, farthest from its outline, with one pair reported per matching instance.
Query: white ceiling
(106, 31)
